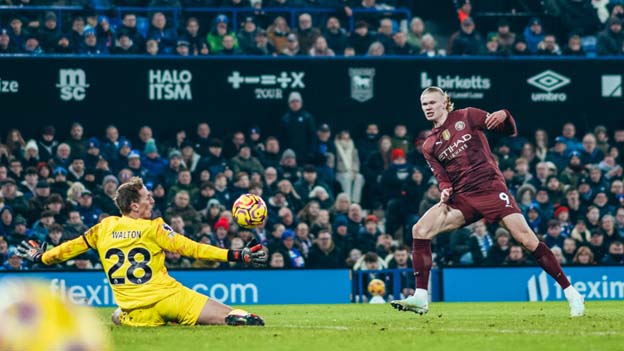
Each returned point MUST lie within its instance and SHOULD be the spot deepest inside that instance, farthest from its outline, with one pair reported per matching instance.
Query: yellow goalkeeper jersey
(132, 255)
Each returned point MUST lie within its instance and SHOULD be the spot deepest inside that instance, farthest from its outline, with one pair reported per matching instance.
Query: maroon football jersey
(458, 151)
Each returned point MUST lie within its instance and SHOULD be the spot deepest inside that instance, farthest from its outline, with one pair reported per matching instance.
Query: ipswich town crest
(362, 83)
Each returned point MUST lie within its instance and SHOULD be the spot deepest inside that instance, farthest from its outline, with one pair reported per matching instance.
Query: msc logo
(611, 85)
(72, 84)
(549, 81)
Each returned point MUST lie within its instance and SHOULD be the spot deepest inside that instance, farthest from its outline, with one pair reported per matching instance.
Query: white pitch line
(451, 330)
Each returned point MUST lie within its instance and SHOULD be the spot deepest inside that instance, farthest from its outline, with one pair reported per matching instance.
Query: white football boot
(417, 303)
(576, 301)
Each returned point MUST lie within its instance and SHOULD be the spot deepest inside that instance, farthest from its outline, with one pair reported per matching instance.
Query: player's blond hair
(128, 193)
(433, 89)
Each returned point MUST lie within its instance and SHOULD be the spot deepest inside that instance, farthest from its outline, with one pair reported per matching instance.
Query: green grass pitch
(448, 326)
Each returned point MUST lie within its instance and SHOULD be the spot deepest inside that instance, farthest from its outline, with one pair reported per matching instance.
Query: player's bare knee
(419, 231)
(529, 241)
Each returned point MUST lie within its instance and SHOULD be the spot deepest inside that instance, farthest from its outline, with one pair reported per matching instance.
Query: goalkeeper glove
(251, 254)
(31, 250)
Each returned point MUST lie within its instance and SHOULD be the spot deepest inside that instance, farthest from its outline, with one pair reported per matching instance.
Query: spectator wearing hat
(60, 184)
(121, 155)
(169, 175)
(152, 162)
(324, 154)
(247, 35)
(17, 32)
(219, 30)
(262, 45)
(159, 31)
(366, 239)
(36, 203)
(255, 141)
(288, 168)
(533, 34)
(293, 258)
(93, 153)
(31, 46)
(466, 41)
(206, 193)
(63, 44)
(105, 34)
(90, 45)
(558, 153)
(610, 40)
(14, 262)
(310, 180)
(46, 144)
(575, 171)
(89, 213)
(42, 225)
(49, 32)
(135, 165)
(220, 233)
(277, 34)
(212, 212)
(12, 197)
(183, 47)
(292, 47)
(393, 180)
(105, 199)
(298, 127)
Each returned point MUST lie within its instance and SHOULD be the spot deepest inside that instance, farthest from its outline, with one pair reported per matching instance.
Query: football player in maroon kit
(472, 187)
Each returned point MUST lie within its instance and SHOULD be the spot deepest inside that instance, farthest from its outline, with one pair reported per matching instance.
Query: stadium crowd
(349, 28)
(333, 200)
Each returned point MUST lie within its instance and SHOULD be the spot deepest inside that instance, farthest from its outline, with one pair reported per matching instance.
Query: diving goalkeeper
(131, 248)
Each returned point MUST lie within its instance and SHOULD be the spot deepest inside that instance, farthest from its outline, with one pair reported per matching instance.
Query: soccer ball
(249, 211)
(377, 287)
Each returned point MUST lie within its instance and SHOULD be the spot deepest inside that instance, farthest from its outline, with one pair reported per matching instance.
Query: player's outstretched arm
(501, 121)
(32, 251)
(171, 241)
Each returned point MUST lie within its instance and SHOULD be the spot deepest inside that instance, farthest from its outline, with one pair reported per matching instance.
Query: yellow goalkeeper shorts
(182, 307)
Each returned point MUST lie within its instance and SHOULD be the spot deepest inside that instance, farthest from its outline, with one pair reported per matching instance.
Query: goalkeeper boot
(576, 301)
(417, 303)
(240, 317)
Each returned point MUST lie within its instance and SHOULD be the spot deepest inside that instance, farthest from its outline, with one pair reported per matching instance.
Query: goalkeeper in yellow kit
(131, 248)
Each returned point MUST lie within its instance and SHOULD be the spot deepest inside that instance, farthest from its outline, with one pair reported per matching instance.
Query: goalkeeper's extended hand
(31, 250)
(251, 254)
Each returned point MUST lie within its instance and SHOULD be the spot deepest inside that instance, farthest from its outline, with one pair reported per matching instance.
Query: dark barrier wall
(236, 93)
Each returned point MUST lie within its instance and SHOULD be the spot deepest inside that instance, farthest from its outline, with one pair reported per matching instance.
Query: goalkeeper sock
(421, 261)
(549, 263)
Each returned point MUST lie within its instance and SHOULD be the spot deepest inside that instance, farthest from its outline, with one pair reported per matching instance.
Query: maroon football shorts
(493, 203)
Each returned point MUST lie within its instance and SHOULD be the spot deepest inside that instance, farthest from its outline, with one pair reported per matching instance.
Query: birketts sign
(458, 87)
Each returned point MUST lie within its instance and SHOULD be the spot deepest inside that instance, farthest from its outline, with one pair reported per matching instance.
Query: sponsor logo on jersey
(362, 83)
(72, 84)
(611, 85)
(455, 148)
(446, 135)
(549, 81)
(460, 126)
